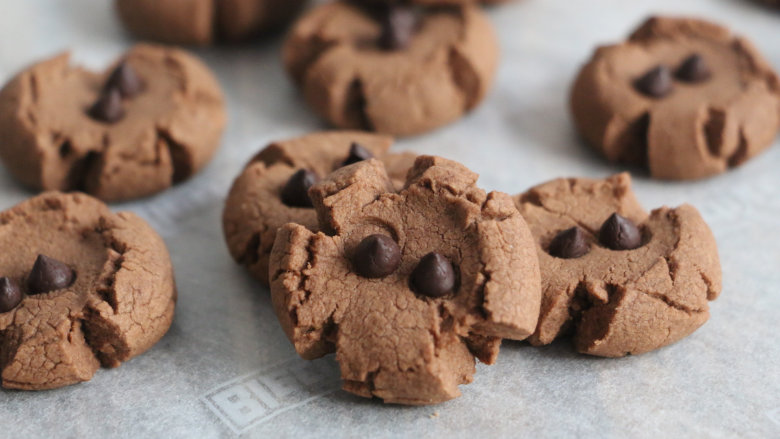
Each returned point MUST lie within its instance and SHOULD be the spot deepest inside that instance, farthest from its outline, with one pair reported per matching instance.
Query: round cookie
(152, 120)
(400, 71)
(406, 286)
(683, 97)
(255, 207)
(626, 283)
(94, 288)
(203, 22)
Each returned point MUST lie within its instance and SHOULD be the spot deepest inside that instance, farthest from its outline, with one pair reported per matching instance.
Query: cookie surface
(409, 286)
(255, 208)
(118, 299)
(444, 69)
(619, 302)
(683, 97)
(204, 22)
(54, 137)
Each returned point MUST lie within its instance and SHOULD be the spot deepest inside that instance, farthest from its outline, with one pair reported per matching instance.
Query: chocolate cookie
(204, 22)
(624, 281)
(683, 97)
(272, 189)
(393, 70)
(408, 286)
(151, 120)
(80, 286)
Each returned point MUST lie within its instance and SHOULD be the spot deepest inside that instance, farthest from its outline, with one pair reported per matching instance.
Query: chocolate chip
(656, 83)
(620, 233)
(126, 80)
(434, 276)
(376, 256)
(693, 69)
(398, 27)
(295, 192)
(357, 153)
(49, 274)
(108, 107)
(10, 294)
(569, 244)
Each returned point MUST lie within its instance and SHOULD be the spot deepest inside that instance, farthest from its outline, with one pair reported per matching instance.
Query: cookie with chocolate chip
(272, 190)
(152, 119)
(80, 287)
(406, 286)
(621, 280)
(398, 70)
(683, 97)
(202, 22)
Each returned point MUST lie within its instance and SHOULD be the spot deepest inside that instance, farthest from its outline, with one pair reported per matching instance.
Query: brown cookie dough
(452, 271)
(102, 293)
(420, 70)
(621, 289)
(204, 22)
(683, 97)
(152, 120)
(255, 207)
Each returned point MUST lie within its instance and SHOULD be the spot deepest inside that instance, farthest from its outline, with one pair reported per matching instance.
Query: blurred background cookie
(683, 97)
(395, 70)
(152, 119)
(201, 22)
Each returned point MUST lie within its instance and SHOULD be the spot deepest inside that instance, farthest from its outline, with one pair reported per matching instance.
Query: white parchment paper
(225, 368)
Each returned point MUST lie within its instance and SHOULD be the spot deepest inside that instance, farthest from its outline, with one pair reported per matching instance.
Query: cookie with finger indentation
(272, 190)
(408, 286)
(683, 97)
(621, 280)
(151, 120)
(80, 287)
(399, 70)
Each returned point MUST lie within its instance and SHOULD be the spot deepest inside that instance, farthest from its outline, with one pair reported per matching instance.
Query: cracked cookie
(396, 70)
(150, 121)
(683, 97)
(624, 282)
(406, 286)
(272, 190)
(80, 287)
(203, 22)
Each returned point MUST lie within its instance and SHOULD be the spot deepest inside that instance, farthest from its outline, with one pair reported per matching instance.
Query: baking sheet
(225, 368)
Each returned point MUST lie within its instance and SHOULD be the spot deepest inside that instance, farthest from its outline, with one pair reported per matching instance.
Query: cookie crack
(577, 222)
(671, 303)
(355, 103)
(181, 159)
(464, 77)
(251, 253)
(741, 154)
